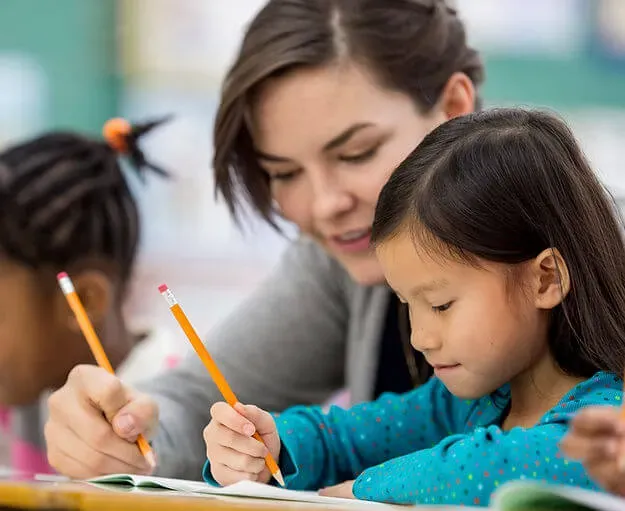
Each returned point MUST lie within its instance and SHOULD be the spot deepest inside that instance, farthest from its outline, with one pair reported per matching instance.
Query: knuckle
(48, 433)
(99, 465)
(99, 436)
(260, 450)
(230, 439)
(109, 390)
(55, 402)
(218, 473)
(217, 410)
(256, 465)
(246, 463)
(208, 433)
(76, 373)
(54, 460)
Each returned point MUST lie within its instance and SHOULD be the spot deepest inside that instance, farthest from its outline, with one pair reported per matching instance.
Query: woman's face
(329, 138)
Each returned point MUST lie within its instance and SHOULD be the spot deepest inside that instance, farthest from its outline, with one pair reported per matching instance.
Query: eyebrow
(430, 286)
(337, 141)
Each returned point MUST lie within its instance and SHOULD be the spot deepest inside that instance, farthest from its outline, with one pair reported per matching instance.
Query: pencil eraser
(162, 288)
(62, 275)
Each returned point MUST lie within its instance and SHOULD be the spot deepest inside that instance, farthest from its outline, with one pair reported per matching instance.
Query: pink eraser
(62, 275)
(162, 288)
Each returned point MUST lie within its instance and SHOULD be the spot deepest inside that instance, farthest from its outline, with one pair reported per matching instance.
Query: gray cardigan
(308, 331)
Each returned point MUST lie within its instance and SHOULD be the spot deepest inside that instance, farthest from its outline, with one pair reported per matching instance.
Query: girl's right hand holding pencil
(597, 438)
(233, 454)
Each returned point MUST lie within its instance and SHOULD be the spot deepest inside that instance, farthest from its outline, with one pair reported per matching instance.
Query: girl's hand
(597, 438)
(343, 490)
(233, 454)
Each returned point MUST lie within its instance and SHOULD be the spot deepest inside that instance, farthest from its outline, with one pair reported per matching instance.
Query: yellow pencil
(96, 347)
(212, 368)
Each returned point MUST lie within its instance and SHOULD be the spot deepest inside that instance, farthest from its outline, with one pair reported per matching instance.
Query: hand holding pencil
(233, 452)
(97, 349)
(259, 444)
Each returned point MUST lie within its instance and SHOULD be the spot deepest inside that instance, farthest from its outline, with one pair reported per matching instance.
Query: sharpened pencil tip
(278, 477)
(149, 457)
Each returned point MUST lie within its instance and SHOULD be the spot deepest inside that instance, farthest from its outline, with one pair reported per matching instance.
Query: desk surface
(26, 493)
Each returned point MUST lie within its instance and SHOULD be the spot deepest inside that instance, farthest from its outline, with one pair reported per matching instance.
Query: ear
(95, 291)
(551, 278)
(458, 96)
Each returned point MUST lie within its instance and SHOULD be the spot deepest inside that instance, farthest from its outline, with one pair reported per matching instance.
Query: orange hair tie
(116, 132)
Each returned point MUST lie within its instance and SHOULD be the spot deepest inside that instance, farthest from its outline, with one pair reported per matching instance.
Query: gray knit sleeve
(285, 345)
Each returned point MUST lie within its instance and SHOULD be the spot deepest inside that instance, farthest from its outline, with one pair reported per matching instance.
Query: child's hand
(597, 438)
(233, 454)
(344, 490)
(92, 423)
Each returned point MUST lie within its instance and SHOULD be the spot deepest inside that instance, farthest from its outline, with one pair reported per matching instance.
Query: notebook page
(264, 491)
(520, 495)
(150, 482)
(242, 489)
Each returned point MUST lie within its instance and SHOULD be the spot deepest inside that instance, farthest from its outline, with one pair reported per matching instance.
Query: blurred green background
(75, 44)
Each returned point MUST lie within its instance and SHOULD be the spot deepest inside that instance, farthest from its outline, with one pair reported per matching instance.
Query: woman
(324, 100)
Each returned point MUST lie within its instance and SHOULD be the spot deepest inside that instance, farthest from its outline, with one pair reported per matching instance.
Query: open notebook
(242, 489)
(512, 496)
(530, 496)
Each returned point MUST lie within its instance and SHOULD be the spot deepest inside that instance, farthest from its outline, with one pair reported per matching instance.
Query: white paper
(242, 489)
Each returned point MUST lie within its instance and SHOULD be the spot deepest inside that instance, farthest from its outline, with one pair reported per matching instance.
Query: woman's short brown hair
(411, 46)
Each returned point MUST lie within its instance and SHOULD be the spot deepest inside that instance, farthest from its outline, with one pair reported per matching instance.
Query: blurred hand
(93, 423)
(597, 438)
(344, 490)
(233, 454)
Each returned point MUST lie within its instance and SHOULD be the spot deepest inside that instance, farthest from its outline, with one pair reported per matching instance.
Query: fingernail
(125, 424)
(249, 430)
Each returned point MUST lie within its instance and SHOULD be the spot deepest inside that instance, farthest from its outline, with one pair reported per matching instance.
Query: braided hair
(64, 198)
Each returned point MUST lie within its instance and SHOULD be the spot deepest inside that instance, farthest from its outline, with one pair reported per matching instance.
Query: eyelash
(284, 176)
(439, 309)
(360, 158)
(353, 159)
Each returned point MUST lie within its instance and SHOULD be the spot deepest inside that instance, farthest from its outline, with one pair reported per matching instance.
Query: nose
(330, 198)
(424, 340)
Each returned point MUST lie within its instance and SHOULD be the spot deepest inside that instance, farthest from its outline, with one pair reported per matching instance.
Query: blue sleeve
(321, 449)
(465, 469)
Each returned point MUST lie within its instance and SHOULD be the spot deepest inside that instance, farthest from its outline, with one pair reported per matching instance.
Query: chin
(466, 390)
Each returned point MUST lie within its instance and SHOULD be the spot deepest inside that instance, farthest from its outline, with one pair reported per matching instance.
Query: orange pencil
(212, 368)
(96, 347)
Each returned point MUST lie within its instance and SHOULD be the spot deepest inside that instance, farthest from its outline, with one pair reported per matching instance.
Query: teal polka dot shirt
(429, 447)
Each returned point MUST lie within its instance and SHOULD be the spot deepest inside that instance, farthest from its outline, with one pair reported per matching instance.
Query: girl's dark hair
(64, 199)
(410, 46)
(504, 185)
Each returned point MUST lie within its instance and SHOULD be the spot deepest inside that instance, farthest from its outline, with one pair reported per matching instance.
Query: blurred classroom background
(76, 63)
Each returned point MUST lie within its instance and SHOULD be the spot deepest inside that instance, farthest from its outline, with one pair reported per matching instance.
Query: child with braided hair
(65, 204)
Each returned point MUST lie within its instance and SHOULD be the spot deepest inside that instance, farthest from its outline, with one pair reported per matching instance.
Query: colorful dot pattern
(429, 447)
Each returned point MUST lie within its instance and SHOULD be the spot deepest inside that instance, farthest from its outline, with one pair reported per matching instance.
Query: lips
(353, 235)
(352, 241)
